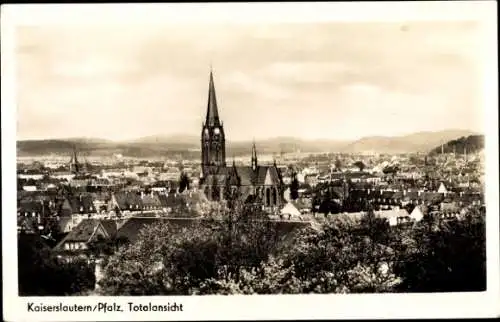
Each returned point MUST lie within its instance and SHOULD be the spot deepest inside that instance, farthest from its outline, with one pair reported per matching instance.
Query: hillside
(473, 143)
(188, 146)
(416, 142)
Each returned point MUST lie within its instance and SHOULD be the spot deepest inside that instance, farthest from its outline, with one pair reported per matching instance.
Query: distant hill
(188, 145)
(416, 142)
(473, 143)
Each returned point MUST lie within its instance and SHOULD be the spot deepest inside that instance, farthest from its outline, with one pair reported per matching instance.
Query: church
(256, 182)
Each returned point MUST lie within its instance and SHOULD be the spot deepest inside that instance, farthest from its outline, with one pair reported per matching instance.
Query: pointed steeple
(212, 118)
(254, 156)
(74, 161)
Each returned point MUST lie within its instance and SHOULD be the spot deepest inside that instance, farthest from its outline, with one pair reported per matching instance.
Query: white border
(257, 307)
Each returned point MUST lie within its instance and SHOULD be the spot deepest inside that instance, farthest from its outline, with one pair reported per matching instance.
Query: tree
(360, 165)
(339, 259)
(443, 256)
(294, 187)
(40, 273)
(391, 169)
(184, 182)
(172, 260)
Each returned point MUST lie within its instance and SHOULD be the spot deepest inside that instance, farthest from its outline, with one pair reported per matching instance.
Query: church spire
(74, 161)
(254, 156)
(212, 112)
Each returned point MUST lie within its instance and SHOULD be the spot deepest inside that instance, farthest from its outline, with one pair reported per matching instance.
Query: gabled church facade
(256, 182)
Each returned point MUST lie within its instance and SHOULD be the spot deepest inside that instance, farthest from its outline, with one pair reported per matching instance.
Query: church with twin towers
(256, 182)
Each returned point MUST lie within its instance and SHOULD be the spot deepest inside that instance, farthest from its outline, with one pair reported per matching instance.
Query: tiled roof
(110, 226)
(128, 200)
(32, 206)
(387, 194)
(82, 232)
(132, 226)
(86, 229)
(83, 203)
(411, 195)
(151, 200)
(247, 176)
(432, 197)
(397, 195)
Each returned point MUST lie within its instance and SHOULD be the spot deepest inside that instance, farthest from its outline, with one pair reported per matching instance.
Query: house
(172, 174)
(356, 177)
(34, 208)
(394, 216)
(82, 204)
(311, 179)
(290, 211)
(101, 200)
(123, 202)
(417, 214)
(88, 230)
(303, 205)
(442, 188)
(151, 201)
(27, 225)
(449, 206)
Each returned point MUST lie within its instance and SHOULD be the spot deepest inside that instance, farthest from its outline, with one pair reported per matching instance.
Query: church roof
(247, 176)
(250, 177)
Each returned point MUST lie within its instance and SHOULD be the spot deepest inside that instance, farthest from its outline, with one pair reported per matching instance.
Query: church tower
(213, 142)
(74, 164)
(254, 157)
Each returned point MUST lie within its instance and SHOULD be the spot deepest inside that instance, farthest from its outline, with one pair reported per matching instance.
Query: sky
(333, 80)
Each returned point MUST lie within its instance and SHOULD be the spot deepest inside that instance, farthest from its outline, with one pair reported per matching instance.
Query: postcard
(250, 161)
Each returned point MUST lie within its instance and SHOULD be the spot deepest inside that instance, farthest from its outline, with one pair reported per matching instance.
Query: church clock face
(217, 131)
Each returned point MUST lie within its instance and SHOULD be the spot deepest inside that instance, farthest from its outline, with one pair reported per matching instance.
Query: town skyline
(261, 77)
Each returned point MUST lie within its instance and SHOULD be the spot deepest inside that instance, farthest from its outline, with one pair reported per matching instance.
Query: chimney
(142, 194)
(404, 192)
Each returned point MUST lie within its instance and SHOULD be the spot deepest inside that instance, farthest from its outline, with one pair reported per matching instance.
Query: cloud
(92, 67)
(324, 80)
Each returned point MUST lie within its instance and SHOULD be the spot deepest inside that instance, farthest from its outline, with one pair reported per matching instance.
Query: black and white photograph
(223, 158)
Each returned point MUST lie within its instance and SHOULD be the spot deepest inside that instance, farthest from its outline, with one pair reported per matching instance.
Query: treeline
(239, 255)
(240, 252)
(472, 143)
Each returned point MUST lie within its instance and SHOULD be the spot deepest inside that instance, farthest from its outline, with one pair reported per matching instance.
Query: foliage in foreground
(239, 252)
(248, 256)
(40, 273)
